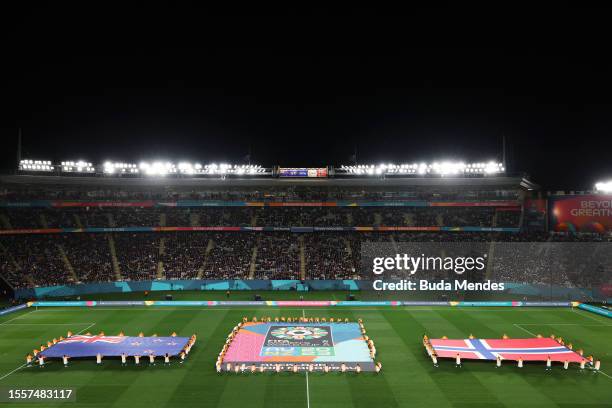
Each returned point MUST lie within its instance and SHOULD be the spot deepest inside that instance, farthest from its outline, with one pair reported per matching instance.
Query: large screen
(581, 213)
(302, 172)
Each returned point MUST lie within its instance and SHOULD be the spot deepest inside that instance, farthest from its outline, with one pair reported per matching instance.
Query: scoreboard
(302, 172)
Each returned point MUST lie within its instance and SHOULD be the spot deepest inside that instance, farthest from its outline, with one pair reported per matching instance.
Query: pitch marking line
(380, 308)
(18, 317)
(588, 315)
(48, 324)
(23, 365)
(527, 331)
(523, 329)
(307, 382)
(564, 324)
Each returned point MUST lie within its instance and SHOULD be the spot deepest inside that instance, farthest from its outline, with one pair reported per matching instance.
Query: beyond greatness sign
(581, 213)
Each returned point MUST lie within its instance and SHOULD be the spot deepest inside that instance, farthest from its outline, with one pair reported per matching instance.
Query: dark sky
(305, 87)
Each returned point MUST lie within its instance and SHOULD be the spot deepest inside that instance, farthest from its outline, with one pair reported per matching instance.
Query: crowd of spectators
(230, 256)
(278, 256)
(42, 260)
(137, 255)
(256, 192)
(28, 218)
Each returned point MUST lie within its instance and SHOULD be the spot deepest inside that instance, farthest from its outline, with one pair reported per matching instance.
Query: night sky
(306, 88)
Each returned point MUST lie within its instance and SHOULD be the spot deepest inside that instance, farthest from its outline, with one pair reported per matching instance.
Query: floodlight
(604, 186)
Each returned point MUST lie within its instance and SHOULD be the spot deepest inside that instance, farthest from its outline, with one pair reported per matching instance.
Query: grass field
(408, 378)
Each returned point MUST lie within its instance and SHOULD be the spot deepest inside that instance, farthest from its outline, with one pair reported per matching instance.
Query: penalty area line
(18, 317)
(523, 329)
(527, 331)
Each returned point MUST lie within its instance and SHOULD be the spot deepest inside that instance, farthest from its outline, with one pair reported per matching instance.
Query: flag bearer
(98, 358)
(41, 361)
(582, 364)
(597, 365)
(137, 359)
(166, 358)
(29, 360)
(498, 361)
(458, 360)
(565, 365)
(65, 360)
(151, 359)
(548, 363)
(520, 362)
(123, 359)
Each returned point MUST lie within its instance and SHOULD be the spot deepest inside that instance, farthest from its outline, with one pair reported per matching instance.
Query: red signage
(583, 213)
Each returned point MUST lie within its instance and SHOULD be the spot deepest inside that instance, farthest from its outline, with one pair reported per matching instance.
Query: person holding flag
(65, 360)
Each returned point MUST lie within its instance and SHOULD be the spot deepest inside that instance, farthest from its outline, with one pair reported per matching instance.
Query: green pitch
(408, 378)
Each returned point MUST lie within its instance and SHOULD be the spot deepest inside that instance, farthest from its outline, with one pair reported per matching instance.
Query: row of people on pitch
(282, 319)
(65, 358)
(241, 368)
(35, 353)
(368, 340)
(228, 342)
(498, 360)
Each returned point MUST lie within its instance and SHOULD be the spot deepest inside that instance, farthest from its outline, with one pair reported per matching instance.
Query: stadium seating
(28, 218)
(41, 260)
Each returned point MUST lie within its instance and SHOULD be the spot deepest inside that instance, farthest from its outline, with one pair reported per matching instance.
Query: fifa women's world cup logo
(299, 333)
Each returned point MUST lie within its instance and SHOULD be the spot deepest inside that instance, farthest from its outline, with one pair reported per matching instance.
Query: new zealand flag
(109, 346)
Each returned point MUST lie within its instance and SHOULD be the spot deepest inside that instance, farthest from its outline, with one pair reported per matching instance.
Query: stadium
(258, 206)
(271, 269)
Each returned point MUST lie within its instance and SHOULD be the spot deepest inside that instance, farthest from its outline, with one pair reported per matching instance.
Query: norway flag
(534, 349)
